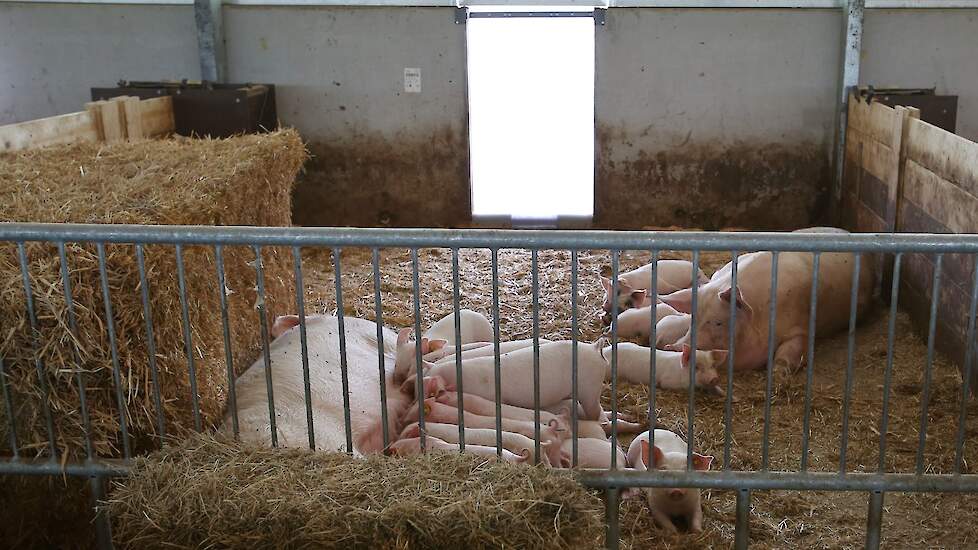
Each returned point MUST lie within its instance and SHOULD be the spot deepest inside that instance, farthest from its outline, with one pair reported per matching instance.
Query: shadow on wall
(373, 181)
(763, 186)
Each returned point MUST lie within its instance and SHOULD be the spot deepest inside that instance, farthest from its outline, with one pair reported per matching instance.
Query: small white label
(412, 80)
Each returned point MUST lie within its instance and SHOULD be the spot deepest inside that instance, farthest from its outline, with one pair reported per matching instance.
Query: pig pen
(778, 519)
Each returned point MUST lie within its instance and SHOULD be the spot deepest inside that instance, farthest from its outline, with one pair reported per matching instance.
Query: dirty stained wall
(380, 156)
(713, 118)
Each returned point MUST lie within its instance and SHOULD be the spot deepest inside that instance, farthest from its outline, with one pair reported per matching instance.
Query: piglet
(592, 453)
(445, 414)
(407, 447)
(482, 349)
(516, 443)
(637, 323)
(669, 453)
(517, 368)
(635, 287)
(479, 405)
(475, 328)
(670, 329)
(671, 367)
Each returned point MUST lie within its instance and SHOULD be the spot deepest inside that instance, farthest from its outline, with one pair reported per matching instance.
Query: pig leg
(624, 427)
(790, 354)
(696, 520)
(664, 521)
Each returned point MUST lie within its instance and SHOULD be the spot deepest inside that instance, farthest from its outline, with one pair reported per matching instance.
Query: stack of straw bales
(244, 180)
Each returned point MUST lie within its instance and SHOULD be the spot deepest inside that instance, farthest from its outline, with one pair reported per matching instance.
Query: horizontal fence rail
(490, 238)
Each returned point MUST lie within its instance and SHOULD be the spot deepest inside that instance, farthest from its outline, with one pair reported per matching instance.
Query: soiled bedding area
(778, 519)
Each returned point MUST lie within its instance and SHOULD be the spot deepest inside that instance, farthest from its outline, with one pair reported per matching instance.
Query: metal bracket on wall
(210, 40)
(598, 18)
(599, 14)
(461, 15)
(849, 81)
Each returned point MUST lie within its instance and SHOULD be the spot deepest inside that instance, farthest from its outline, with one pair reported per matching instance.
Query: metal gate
(892, 246)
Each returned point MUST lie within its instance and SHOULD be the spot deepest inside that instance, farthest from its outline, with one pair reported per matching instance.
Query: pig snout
(676, 494)
(708, 377)
(433, 386)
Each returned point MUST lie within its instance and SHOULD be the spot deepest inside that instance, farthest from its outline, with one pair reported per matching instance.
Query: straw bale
(239, 181)
(213, 493)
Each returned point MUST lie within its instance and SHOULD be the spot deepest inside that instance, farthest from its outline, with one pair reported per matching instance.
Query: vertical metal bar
(742, 531)
(874, 521)
(931, 330)
(457, 308)
(222, 290)
(888, 374)
(614, 367)
(495, 339)
(151, 345)
(653, 354)
(809, 378)
(116, 374)
(535, 276)
(732, 339)
(847, 396)
(73, 328)
(419, 373)
(300, 306)
(849, 80)
(103, 527)
(772, 313)
(381, 362)
(187, 338)
(612, 530)
(344, 373)
(8, 406)
(266, 354)
(692, 363)
(573, 411)
(966, 383)
(36, 349)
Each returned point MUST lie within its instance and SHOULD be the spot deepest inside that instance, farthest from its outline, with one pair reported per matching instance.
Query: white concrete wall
(921, 49)
(52, 54)
(668, 77)
(340, 71)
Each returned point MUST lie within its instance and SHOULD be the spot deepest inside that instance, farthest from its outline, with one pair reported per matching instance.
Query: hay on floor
(239, 181)
(212, 493)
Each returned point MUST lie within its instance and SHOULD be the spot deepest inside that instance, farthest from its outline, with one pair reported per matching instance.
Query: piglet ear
(435, 345)
(645, 452)
(702, 462)
(638, 299)
(687, 353)
(742, 304)
(623, 286)
(403, 335)
(425, 346)
(681, 300)
(606, 283)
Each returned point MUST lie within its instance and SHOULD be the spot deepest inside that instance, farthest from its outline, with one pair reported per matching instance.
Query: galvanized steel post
(210, 40)
(849, 80)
